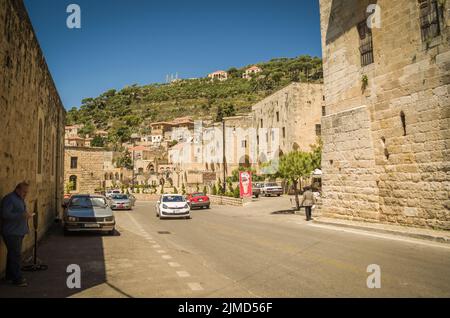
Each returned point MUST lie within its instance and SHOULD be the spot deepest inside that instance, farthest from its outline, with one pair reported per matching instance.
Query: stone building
(288, 120)
(84, 169)
(32, 138)
(387, 130)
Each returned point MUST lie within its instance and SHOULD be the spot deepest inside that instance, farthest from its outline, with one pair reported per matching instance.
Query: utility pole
(224, 158)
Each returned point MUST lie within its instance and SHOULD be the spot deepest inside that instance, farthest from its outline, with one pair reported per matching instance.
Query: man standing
(14, 216)
(308, 201)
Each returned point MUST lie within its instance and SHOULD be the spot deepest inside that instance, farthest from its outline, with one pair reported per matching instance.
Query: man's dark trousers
(14, 258)
(308, 211)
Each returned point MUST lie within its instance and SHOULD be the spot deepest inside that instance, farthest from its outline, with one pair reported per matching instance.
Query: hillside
(133, 108)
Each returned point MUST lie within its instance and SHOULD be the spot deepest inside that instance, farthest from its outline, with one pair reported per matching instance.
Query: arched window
(40, 146)
(73, 183)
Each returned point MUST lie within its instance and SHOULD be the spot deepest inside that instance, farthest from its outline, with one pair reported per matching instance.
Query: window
(403, 119)
(284, 132)
(324, 110)
(40, 146)
(73, 162)
(365, 43)
(73, 183)
(262, 123)
(53, 155)
(244, 143)
(430, 15)
(318, 130)
(278, 116)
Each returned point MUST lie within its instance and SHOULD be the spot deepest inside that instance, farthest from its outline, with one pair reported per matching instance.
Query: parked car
(121, 202)
(88, 213)
(173, 206)
(272, 188)
(199, 200)
(256, 189)
(109, 193)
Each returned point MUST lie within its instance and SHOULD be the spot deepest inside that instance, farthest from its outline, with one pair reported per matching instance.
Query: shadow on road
(291, 211)
(58, 252)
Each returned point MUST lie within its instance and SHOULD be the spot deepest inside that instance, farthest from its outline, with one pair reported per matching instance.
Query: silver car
(85, 213)
(121, 202)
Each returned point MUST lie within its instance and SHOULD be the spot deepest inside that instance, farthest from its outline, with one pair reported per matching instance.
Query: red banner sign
(245, 184)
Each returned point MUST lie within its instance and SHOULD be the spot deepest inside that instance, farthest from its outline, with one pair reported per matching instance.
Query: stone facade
(84, 167)
(292, 118)
(32, 138)
(386, 134)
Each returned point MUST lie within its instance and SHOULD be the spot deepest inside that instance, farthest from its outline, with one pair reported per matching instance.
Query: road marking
(195, 286)
(183, 274)
(161, 252)
(173, 264)
(167, 257)
(156, 246)
(383, 236)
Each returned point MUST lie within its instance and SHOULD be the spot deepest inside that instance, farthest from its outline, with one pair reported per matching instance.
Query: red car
(199, 200)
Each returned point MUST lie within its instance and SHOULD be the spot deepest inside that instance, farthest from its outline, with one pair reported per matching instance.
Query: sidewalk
(413, 232)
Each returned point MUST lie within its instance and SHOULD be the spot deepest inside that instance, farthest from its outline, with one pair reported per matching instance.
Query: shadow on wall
(344, 15)
(58, 252)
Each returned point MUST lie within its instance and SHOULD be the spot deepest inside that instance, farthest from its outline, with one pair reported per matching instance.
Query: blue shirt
(12, 213)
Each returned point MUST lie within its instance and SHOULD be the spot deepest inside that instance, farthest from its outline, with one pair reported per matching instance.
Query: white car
(173, 206)
(110, 193)
(272, 188)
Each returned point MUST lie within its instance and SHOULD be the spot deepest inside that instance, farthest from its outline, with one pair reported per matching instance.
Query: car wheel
(66, 232)
(278, 195)
(188, 218)
(112, 233)
(208, 207)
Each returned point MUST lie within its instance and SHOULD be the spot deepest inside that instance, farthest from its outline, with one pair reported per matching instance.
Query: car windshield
(198, 195)
(175, 198)
(87, 202)
(120, 197)
(271, 185)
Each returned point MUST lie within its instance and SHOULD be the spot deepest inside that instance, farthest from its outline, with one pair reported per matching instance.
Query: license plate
(200, 200)
(92, 225)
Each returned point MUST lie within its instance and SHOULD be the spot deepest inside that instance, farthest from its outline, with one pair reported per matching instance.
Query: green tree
(294, 167)
(125, 161)
(98, 141)
(205, 190)
(316, 154)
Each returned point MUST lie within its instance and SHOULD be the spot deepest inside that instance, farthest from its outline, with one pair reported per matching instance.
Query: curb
(428, 237)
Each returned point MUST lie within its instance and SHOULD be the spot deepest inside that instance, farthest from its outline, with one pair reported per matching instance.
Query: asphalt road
(254, 251)
(251, 252)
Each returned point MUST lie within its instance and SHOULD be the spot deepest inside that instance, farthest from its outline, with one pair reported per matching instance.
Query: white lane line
(166, 257)
(161, 252)
(183, 274)
(195, 286)
(156, 246)
(383, 236)
(173, 264)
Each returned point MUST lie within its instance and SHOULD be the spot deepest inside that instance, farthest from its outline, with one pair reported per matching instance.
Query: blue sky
(124, 42)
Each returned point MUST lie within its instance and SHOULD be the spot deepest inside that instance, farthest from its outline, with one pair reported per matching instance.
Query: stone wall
(89, 170)
(222, 200)
(29, 101)
(299, 108)
(386, 154)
